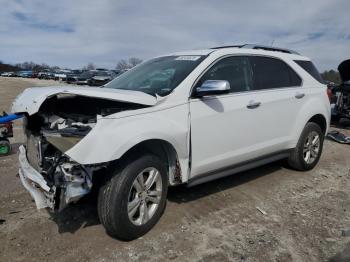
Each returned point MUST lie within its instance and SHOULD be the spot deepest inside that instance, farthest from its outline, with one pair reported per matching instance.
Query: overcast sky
(73, 33)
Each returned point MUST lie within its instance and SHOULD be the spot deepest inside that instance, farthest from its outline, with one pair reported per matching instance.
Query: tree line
(122, 65)
(331, 76)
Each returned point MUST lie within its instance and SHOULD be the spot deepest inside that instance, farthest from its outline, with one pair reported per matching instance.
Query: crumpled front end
(53, 178)
(64, 183)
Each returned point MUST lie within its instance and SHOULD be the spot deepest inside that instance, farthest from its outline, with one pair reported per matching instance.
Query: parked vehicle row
(24, 74)
(96, 77)
(92, 77)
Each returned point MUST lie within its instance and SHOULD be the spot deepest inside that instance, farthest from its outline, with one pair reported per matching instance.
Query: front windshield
(157, 76)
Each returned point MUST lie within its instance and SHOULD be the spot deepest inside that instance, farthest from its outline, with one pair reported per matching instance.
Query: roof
(261, 47)
(246, 49)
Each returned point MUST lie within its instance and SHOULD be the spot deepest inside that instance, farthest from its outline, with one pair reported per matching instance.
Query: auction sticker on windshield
(188, 58)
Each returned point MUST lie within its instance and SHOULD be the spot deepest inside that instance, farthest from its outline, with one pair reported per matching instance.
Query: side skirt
(230, 170)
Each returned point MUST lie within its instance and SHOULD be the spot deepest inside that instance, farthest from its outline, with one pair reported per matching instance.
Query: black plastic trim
(237, 168)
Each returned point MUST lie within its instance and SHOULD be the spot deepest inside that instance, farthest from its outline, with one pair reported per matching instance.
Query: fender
(315, 105)
(111, 138)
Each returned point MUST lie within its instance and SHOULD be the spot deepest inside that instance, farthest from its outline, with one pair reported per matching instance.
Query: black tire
(296, 158)
(113, 198)
(5, 147)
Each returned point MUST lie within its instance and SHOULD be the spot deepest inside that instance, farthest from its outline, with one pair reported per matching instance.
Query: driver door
(222, 127)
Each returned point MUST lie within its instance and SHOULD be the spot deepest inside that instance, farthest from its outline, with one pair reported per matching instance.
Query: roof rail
(227, 46)
(262, 47)
(270, 48)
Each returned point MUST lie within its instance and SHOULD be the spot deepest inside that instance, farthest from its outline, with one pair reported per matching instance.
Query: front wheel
(308, 151)
(133, 200)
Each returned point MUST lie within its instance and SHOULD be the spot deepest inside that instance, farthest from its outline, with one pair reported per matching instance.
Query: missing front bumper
(72, 181)
(35, 183)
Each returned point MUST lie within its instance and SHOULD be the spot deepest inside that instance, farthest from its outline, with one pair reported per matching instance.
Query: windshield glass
(157, 76)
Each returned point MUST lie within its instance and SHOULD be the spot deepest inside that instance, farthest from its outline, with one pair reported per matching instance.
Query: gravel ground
(267, 214)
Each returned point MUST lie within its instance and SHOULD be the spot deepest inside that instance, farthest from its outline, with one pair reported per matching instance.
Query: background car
(73, 76)
(8, 74)
(25, 74)
(102, 77)
(83, 78)
(61, 75)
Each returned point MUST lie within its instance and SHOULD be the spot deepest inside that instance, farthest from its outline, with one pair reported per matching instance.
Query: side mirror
(213, 87)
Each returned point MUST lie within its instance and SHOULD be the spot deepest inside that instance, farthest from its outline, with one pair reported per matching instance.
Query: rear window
(309, 67)
(272, 73)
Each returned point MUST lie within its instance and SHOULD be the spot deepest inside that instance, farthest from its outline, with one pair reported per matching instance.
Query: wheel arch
(320, 120)
(165, 151)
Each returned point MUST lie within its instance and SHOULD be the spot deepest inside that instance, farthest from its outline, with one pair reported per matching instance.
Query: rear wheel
(133, 200)
(5, 147)
(309, 148)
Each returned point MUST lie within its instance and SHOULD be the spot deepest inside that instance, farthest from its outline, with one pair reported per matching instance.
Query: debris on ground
(339, 137)
(261, 211)
(345, 233)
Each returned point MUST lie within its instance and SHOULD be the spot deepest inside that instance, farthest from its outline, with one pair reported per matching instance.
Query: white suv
(184, 118)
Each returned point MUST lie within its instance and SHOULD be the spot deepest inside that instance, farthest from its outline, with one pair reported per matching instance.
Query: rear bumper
(34, 182)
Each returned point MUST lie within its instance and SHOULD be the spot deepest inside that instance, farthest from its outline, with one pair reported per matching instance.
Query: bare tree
(134, 61)
(122, 65)
(90, 66)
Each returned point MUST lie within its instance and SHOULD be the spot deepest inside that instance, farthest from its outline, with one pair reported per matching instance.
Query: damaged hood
(32, 98)
(344, 70)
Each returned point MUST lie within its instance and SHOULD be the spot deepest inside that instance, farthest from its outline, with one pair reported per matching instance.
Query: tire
(118, 192)
(298, 158)
(5, 147)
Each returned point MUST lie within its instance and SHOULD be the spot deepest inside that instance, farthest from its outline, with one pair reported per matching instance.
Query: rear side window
(272, 73)
(309, 67)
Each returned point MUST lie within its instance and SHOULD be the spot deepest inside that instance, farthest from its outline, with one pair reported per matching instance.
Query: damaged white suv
(184, 118)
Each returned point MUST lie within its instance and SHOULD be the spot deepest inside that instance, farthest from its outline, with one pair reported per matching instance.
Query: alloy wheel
(311, 147)
(144, 196)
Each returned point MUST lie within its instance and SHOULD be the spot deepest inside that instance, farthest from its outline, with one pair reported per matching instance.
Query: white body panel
(224, 131)
(115, 135)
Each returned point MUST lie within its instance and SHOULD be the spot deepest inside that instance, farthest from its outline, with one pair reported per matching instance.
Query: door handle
(299, 95)
(253, 105)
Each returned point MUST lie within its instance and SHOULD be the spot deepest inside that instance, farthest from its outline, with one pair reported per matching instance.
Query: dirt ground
(302, 218)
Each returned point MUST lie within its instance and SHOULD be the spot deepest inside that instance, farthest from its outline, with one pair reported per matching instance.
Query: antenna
(272, 42)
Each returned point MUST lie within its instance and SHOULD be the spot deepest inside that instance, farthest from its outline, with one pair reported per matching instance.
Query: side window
(272, 73)
(309, 67)
(235, 69)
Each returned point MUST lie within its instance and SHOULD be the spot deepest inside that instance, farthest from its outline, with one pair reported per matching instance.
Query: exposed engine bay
(61, 122)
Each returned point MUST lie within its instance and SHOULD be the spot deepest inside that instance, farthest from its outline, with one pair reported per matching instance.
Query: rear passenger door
(277, 90)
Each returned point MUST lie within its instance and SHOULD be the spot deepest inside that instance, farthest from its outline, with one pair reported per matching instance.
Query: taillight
(330, 94)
